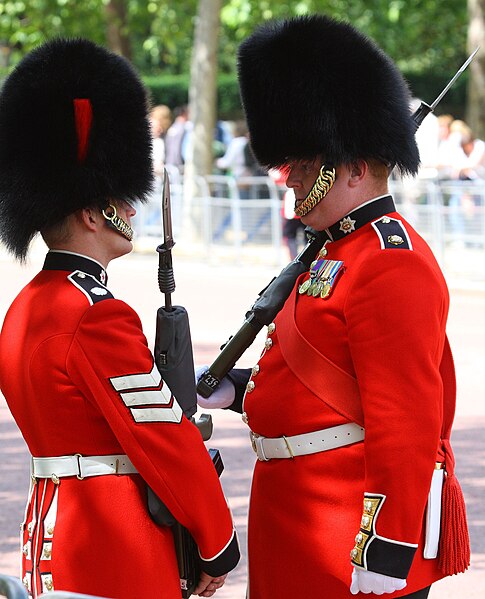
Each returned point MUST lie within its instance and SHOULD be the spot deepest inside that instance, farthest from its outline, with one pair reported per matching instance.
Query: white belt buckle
(257, 445)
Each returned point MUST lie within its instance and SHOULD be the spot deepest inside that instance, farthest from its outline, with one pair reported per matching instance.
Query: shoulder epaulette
(91, 287)
(392, 234)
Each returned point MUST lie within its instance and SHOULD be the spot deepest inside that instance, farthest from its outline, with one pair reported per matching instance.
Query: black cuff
(376, 554)
(225, 561)
(239, 378)
(388, 558)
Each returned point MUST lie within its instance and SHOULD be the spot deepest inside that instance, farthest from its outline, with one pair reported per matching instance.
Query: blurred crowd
(449, 150)
(448, 147)
(172, 132)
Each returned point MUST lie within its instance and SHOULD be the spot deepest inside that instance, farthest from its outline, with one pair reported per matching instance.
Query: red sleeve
(110, 362)
(396, 313)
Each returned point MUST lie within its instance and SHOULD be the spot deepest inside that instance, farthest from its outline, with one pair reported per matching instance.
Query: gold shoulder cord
(321, 187)
(118, 223)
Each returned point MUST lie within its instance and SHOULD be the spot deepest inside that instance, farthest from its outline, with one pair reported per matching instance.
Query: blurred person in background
(175, 137)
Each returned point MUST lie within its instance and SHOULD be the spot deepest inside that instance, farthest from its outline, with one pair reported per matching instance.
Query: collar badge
(347, 225)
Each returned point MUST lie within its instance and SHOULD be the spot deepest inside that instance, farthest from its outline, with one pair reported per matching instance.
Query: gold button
(255, 370)
(25, 582)
(55, 479)
(268, 343)
(385, 220)
(271, 328)
(250, 386)
(49, 585)
(365, 521)
(50, 530)
(47, 552)
(244, 418)
(25, 549)
(354, 553)
(368, 507)
(30, 527)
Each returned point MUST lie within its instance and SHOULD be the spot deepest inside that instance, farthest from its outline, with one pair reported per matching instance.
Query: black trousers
(422, 594)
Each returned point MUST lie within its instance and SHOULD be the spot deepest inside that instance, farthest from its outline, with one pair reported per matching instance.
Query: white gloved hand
(364, 581)
(222, 397)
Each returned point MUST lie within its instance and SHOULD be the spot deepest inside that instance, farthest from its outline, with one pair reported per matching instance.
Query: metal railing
(241, 219)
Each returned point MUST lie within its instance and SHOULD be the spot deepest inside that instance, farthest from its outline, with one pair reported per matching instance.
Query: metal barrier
(241, 219)
(240, 214)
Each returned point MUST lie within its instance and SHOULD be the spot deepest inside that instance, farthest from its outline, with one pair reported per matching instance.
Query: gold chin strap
(117, 223)
(321, 187)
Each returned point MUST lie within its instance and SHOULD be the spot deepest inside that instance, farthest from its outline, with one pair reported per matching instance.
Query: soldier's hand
(364, 581)
(208, 585)
(222, 397)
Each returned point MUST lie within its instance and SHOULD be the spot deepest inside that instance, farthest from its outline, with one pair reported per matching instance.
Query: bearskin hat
(74, 133)
(313, 85)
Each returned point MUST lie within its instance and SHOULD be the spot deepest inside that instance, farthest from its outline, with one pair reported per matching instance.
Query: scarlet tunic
(79, 378)
(384, 324)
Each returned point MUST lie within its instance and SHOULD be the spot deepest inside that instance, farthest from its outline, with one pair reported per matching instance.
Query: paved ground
(216, 299)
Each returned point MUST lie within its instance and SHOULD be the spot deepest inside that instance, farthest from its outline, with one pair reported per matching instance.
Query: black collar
(360, 217)
(59, 260)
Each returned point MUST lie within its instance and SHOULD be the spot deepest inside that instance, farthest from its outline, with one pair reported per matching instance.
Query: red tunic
(79, 378)
(384, 324)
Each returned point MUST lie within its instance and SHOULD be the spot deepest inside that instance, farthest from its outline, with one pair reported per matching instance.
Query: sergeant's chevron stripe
(152, 397)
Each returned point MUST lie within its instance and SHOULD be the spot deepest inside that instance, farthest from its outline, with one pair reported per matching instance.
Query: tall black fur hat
(74, 133)
(313, 85)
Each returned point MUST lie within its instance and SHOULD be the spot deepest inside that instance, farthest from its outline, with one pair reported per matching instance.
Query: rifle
(175, 362)
(272, 298)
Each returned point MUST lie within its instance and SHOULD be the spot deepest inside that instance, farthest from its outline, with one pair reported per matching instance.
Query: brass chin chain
(321, 187)
(118, 223)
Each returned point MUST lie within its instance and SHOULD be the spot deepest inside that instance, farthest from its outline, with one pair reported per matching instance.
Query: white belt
(81, 466)
(267, 448)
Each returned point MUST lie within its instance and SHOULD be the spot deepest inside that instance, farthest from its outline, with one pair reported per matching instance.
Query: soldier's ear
(90, 218)
(358, 169)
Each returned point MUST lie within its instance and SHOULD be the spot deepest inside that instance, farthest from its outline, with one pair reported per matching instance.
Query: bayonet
(425, 109)
(166, 281)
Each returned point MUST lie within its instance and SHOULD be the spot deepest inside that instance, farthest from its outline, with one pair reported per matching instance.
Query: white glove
(366, 582)
(222, 397)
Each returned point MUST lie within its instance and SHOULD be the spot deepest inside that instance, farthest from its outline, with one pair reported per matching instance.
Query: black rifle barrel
(265, 308)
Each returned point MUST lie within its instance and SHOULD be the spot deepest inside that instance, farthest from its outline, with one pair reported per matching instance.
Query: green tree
(476, 89)
(426, 38)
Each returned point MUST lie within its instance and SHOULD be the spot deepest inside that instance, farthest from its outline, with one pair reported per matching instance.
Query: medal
(317, 289)
(321, 271)
(325, 291)
(304, 286)
(310, 289)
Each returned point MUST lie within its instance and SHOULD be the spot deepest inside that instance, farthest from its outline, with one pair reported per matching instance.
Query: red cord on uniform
(83, 117)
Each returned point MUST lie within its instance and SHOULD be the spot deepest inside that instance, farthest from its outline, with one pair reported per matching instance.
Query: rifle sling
(338, 389)
(322, 377)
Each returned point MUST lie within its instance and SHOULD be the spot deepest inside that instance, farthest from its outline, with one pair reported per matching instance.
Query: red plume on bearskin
(313, 85)
(73, 133)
